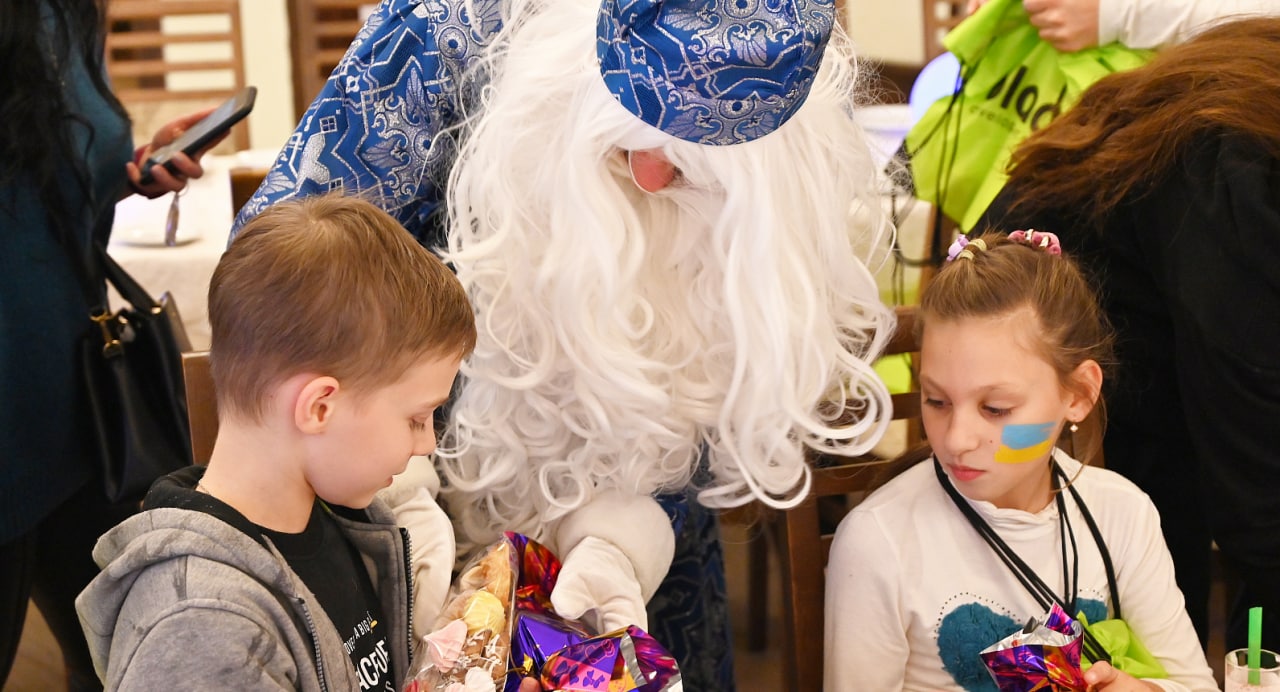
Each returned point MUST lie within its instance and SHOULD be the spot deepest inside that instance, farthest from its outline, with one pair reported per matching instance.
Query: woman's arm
(1150, 600)
(1158, 23)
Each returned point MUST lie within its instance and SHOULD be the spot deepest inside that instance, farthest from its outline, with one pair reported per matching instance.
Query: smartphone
(199, 135)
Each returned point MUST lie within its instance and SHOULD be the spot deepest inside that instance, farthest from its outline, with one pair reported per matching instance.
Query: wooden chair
(169, 57)
(320, 31)
(202, 405)
(244, 182)
(940, 16)
(804, 545)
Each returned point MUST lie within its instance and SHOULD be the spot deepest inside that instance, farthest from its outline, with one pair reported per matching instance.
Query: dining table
(184, 269)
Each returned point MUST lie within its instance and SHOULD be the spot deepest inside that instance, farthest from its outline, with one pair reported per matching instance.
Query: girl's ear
(1087, 378)
(315, 404)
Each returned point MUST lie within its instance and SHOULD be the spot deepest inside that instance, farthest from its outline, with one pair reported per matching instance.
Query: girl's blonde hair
(1010, 275)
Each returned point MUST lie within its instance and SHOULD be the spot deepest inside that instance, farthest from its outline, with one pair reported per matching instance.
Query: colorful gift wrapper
(540, 636)
(538, 570)
(623, 661)
(537, 636)
(1043, 656)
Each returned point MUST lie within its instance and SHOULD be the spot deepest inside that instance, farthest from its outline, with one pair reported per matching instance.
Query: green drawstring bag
(1127, 652)
(1013, 84)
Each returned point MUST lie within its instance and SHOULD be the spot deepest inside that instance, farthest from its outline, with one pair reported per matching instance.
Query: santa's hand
(615, 551)
(598, 585)
(412, 500)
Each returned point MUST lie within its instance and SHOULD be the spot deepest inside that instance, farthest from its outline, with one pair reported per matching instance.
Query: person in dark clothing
(65, 159)
(1165, 183)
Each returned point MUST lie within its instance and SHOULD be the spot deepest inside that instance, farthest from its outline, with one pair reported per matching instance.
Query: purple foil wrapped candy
(536, 637)
(1045, 658)
(625, 660)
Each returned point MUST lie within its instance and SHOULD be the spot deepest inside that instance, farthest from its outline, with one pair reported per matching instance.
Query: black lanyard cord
(1102, 546)
(1043, 595)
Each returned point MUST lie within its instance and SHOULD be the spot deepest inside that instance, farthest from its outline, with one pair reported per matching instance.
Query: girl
(1012, 342)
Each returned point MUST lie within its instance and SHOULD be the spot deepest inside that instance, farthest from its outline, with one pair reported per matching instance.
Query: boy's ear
(315, 404)
(1088, 380)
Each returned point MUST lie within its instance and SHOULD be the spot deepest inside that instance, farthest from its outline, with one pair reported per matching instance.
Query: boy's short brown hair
(329, 285)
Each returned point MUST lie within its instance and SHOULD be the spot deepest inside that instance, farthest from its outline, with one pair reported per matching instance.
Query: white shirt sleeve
(866, 645)
(1152, 604)
(1158, 23)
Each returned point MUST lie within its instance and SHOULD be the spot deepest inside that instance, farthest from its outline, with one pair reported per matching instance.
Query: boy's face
(371, 435)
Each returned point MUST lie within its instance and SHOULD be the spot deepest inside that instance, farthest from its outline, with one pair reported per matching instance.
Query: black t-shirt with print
(331, 567)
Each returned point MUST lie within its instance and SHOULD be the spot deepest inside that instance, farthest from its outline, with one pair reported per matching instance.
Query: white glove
(615, 552)
(598, 586)
(412, 500)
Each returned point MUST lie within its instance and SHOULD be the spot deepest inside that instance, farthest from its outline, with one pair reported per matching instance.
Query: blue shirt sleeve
(382, 125)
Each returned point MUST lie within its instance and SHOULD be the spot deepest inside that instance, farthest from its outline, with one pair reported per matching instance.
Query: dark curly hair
(38, 41)
(1129, 129)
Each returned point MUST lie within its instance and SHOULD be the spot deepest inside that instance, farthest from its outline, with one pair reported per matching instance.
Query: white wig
(620, 332)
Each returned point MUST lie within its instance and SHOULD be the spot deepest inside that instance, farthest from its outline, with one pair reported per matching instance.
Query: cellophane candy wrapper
(533, 640)
(1046, 658)
(467, 650)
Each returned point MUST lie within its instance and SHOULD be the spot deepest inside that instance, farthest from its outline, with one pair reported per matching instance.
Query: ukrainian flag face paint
(1022, 443)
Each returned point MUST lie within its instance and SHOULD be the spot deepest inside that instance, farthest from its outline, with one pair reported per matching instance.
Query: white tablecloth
(185, 270)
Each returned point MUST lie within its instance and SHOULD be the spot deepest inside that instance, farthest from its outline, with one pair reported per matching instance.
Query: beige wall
(265, 26)
(887, 30)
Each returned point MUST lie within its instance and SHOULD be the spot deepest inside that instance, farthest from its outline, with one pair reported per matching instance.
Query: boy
(335, 338)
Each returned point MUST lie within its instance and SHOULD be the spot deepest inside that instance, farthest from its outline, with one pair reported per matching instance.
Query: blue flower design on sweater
(972, 627)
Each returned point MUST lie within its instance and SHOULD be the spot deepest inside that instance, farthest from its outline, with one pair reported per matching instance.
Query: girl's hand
(1103, 676)
(163, 181)
(1069, 25)
(530, 685)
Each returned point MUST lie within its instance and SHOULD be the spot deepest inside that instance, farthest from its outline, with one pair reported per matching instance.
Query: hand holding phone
(203, 133)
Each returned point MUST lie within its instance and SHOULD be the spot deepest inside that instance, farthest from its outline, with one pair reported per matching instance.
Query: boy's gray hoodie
(192, 596)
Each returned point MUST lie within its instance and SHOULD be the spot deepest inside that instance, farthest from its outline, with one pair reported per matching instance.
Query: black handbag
(132, 371)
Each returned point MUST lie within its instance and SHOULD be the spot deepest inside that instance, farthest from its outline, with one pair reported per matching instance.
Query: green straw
(1255, 645)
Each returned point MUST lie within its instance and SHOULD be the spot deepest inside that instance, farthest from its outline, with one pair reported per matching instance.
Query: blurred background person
(66, 157)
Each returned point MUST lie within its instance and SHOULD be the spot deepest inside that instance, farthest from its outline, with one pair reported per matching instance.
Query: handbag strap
(1043, 595)
(95, 268)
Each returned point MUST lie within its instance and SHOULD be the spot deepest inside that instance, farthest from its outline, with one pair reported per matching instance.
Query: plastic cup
(1236, 672)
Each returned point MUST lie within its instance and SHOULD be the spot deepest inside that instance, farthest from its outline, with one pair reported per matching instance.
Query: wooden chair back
(245, 181)
(174, 56)
(202, 404)
(805, 540)
(940, 16)
(320, 31)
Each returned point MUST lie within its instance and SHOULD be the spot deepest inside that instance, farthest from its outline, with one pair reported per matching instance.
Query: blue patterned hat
(712, 71)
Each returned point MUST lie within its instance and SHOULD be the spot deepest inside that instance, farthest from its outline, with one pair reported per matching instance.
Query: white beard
(620, 332)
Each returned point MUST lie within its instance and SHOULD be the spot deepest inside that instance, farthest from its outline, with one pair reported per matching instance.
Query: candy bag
(467, 650)
(477, 648)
